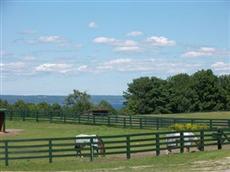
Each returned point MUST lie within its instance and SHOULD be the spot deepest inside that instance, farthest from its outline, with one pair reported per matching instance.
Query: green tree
(106, 106)
(207, 91)
(78, 101)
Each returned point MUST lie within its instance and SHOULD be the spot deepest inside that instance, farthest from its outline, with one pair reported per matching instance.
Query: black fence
(112, 120)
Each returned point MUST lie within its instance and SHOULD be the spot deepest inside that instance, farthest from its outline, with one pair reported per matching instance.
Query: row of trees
(202, 91)
(77, 102)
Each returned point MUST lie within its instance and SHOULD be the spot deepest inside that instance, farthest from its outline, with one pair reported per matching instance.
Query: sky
(52, 47)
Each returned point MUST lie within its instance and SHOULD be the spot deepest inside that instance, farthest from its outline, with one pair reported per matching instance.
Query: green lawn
(33, 129)
(199, 161)
(205, 115)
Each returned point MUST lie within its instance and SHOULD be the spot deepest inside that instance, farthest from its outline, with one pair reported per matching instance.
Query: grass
(204, 115)
(176, 162)
(33, 129)
(144, 163)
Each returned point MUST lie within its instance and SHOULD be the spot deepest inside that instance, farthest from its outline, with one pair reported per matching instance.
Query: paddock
(56, 144)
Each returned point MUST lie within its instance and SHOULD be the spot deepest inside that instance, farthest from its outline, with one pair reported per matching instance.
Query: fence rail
(125, 145)
(122, 121)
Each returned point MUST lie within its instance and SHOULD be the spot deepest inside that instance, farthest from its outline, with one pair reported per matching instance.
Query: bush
(188, 126)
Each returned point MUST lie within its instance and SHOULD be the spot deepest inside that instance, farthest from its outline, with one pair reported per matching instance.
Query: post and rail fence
(113, 120)
(123, 145)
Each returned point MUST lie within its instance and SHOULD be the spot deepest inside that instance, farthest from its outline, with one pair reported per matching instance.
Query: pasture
(146, 161)
(202, 115)
(44, 129)
(211, 161)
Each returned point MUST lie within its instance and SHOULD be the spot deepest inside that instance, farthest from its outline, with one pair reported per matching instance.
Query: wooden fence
(123, 145)
(112, 120)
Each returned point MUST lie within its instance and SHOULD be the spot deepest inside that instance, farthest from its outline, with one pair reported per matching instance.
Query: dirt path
(11, 132)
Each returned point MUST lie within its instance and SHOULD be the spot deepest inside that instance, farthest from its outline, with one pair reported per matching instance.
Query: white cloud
(128, 49)
(13, 67)
(134, 33)
(222, 67)
(51, 39)
(145, 65)
(203, 51)
(92, 24)
(54, 67)
(83, 68)
(104, 40)
(119, 45)
(160, 41)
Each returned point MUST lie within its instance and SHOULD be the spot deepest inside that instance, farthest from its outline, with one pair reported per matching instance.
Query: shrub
(188, 126)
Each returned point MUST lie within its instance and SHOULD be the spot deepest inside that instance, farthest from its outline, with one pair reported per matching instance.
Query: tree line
(201, 91)
(77, 103)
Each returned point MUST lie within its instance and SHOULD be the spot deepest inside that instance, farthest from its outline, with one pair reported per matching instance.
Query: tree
(210, 96)
(106, 106)
(79, 102)
(146, 95)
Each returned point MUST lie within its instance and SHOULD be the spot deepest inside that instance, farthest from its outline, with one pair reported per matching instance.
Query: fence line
(126, 145)
(119, 120)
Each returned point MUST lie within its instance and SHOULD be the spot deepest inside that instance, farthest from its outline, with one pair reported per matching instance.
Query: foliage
(200, 92)
(77, 102)
(188, 126)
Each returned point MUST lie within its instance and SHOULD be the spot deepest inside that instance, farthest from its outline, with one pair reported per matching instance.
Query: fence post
(91, 149)
(219, 138)
(128, 155)
(130, 120)
(79, 118)
(50, 151)
(141, 123)
(50, 116)
(23, 115)
(108, 120)
(181, 142)
(6, 153)
(124, 122)
(94, 121)
(157, 144)
(36, 116)
(210, 123)
(157, 121)
(202, 140)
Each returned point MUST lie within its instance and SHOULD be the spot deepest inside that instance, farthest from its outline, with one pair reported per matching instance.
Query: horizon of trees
(199, 92)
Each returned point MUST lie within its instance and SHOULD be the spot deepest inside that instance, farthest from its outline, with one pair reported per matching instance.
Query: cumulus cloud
(54, 68)
(13, 67)
(203, 51)
(145, 65)
(222, 67)
(134, 33)
(160, 41)
(51, 39)
(92, 24)
(128, 49)
(119, 45)
(83, 68)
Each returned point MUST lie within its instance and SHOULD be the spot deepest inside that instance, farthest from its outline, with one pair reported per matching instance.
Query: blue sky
(52, 47)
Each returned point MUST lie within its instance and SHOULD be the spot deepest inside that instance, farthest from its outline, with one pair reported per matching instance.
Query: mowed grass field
(204, 115)
(197, 161)
(32, 129)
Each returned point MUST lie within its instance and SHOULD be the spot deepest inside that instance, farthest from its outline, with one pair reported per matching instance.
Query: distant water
(115, 101)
